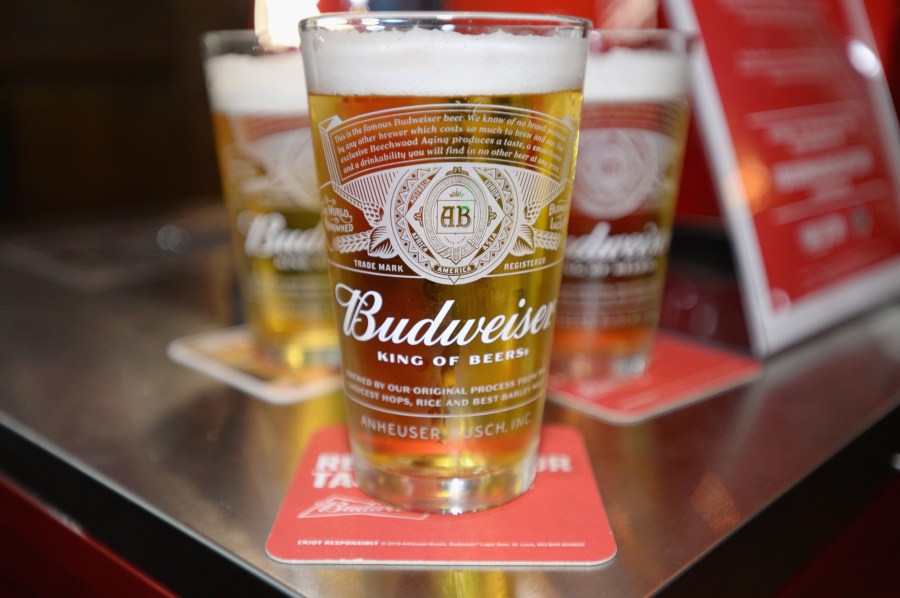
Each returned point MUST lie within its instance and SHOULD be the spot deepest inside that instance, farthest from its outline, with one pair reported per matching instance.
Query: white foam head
(627, 74)
(427, 62)
(270, 83)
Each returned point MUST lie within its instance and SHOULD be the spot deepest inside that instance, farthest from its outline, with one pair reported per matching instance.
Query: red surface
(40, 555)
(575, 8)
(862, 560)
(884, 16)
(697, 204)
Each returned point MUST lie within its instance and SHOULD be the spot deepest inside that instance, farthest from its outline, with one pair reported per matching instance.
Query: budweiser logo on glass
(633, 132)
(445, 147)
(259, 105)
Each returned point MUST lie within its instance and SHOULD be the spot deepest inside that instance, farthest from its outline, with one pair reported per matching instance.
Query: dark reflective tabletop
(88, 390)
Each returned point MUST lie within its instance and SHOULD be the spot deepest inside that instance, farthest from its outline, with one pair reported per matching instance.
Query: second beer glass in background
(258, 100)
(446, 150)
(633, 131)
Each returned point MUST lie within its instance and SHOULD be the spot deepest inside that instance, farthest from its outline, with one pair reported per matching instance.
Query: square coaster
(229, 355)
(681, 372)
(560, 521)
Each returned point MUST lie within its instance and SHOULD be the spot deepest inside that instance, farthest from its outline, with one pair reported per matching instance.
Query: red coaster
(681, 372)
(559, 521)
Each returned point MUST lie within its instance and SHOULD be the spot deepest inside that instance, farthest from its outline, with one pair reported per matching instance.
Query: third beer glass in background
(258, 99)
(634, 125)
(446, 150)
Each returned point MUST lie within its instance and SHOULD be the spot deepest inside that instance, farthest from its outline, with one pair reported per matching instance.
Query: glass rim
(678, 37)
(233, 41)
(342, 21)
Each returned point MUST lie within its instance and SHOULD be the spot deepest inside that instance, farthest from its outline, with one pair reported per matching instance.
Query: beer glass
(446, 149)
(259, 108)
(630, 152)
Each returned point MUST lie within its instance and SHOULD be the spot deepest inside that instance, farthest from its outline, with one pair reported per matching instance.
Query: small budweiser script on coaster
(559, 521)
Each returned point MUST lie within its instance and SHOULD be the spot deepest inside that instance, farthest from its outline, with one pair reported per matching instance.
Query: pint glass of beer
(633, 132)
(259, 107)
(446, 149)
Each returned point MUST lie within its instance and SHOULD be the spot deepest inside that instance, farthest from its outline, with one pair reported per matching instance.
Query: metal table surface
(184, 475)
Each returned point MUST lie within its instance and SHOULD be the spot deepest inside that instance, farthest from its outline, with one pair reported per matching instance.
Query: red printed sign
(803, 142)
(559, 521)
(812, 161)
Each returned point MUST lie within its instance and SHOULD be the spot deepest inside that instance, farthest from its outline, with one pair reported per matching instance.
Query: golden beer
(633, 131)
(268, 179)
(445, 219)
